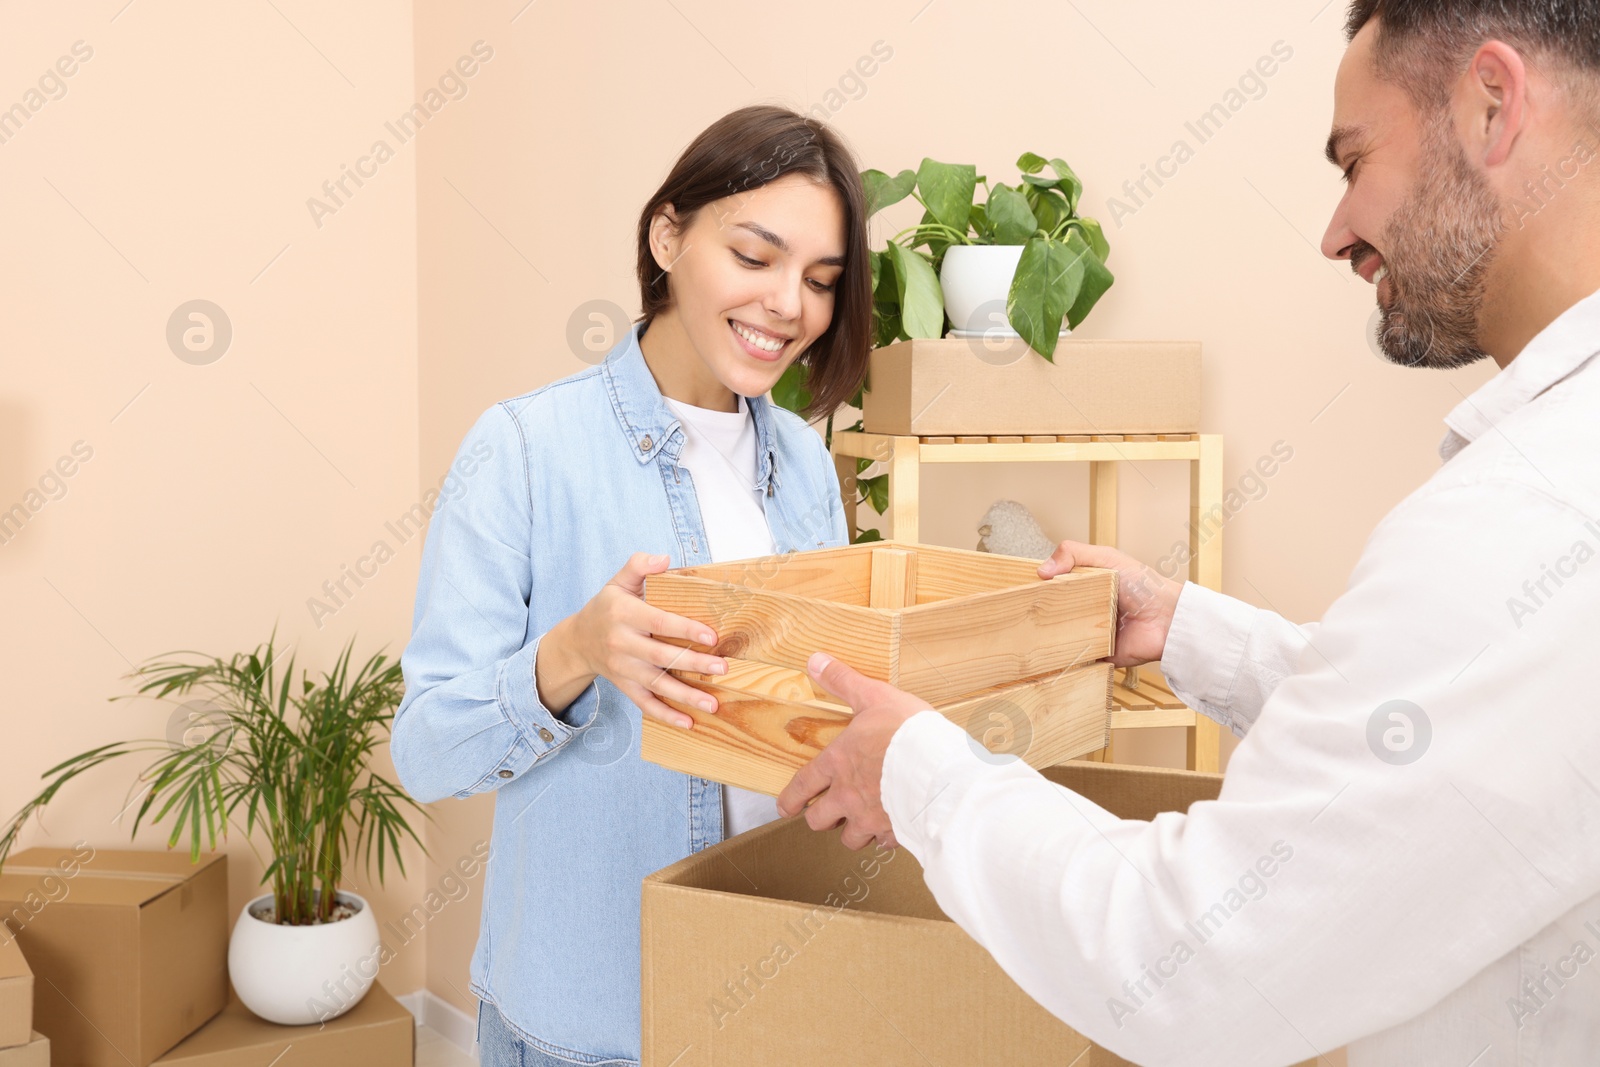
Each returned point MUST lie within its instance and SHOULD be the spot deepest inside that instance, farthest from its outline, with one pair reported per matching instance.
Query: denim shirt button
(545, 735)
(505, 773)
(644, 446)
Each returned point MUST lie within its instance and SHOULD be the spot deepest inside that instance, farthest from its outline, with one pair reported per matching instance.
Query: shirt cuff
(1205, 651)
(918, 772)
(517, 691)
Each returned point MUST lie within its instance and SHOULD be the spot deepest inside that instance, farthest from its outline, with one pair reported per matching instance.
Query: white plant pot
(976, 280)
(296, 975)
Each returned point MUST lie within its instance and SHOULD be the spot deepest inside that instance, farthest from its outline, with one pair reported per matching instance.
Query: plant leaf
(1096, 280)
(921, 299)
(790, 391)
(1049, 206)
(1046, 284)
(1011, 215)
(947, 190)
(1070, 183)
(1030, 163)
(883, 190)
(1096, 237)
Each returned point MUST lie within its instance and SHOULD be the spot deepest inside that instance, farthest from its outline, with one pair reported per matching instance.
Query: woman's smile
(757, 343)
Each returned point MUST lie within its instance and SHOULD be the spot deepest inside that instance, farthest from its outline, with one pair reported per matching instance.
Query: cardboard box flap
(117, 877)
(1135, 792)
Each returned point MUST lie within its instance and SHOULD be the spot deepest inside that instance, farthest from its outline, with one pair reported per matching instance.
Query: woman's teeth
(761, 341)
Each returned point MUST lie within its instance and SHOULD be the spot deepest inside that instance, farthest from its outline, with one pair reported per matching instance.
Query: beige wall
(219, 497)
(197, 132)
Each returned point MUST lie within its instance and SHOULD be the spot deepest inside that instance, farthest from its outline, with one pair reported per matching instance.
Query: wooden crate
(942, 623)
(962, 387)
(771, 721)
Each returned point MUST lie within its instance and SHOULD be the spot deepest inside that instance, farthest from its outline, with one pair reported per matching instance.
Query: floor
(436, 1050)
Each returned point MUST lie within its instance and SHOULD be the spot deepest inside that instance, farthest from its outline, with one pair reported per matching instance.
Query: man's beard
(1441, 242)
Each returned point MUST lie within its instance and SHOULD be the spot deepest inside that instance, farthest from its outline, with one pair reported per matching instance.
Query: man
(1403, 857)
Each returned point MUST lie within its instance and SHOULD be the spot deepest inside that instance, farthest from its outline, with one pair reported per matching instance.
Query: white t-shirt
(719, 451)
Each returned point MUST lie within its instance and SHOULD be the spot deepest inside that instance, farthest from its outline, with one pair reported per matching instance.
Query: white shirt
(1444, 911)
(719, 452)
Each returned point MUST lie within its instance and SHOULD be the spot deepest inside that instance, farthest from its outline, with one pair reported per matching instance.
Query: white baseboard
(438, 1014)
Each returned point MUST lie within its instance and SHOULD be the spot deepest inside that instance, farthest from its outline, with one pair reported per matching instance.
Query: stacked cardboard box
(20, 1044)
(377, 1032)
(128, 949)
(1008, 656)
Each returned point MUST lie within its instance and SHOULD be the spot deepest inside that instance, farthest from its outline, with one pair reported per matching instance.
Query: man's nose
(1339, 239)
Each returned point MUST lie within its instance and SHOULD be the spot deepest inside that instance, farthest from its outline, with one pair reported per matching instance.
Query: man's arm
(1221, 656)
(1224, 658)
(1408, 808)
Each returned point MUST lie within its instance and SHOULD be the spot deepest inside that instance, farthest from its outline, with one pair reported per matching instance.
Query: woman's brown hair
(746, 149)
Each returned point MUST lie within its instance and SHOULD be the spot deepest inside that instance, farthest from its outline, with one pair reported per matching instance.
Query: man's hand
(847, 773)
(1145, 600)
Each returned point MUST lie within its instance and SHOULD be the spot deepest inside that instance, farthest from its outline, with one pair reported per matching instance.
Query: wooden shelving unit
(1150, 704)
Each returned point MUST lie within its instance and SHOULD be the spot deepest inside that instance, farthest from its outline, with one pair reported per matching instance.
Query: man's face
(1416, 218)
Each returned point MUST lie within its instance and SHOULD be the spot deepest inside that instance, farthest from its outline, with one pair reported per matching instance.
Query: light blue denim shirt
(558, 488)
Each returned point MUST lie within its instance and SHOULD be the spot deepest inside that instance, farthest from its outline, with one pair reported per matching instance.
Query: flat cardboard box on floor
(955, 386)
(35, 1053)
(377, 1032)
(129, 949)
(16, 993)
(874, 972)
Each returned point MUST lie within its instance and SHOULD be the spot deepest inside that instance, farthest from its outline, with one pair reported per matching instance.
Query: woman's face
(752, 279)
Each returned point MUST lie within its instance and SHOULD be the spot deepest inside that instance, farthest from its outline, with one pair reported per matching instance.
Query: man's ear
(1492, 103)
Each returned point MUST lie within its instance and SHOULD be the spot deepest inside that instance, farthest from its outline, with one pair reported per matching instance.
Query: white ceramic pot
(296, 975)
(976, 280)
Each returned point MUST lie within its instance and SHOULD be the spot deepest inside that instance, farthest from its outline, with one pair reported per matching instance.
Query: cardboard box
(943, 623)
(16, 993)
(34, 1053)
(954, 386)
(377, 1032)
(870, 970)
(129, 949)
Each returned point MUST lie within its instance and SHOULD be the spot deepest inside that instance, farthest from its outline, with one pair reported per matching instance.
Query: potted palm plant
(289, 762)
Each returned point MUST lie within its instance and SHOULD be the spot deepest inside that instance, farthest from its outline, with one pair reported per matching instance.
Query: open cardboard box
(782, 947)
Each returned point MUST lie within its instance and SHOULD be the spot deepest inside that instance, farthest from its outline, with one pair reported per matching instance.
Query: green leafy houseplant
(292, 763)
(1061, 275)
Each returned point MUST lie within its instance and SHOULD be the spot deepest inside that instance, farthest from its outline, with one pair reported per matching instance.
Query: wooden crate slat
(776, 627)
(758, 741)
(1013, 633)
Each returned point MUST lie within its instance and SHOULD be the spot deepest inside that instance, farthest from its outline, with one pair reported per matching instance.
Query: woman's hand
(1145, 600)
(610, 637)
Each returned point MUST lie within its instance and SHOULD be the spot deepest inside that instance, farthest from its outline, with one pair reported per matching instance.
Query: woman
(531, 659)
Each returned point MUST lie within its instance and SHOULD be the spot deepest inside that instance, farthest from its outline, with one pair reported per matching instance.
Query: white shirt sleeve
(1224, 658)
(1344, 881)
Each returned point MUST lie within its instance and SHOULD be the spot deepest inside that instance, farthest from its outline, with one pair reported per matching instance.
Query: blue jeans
(501, 1046)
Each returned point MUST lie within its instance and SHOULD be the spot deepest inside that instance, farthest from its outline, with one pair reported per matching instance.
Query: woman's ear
(665, 238)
